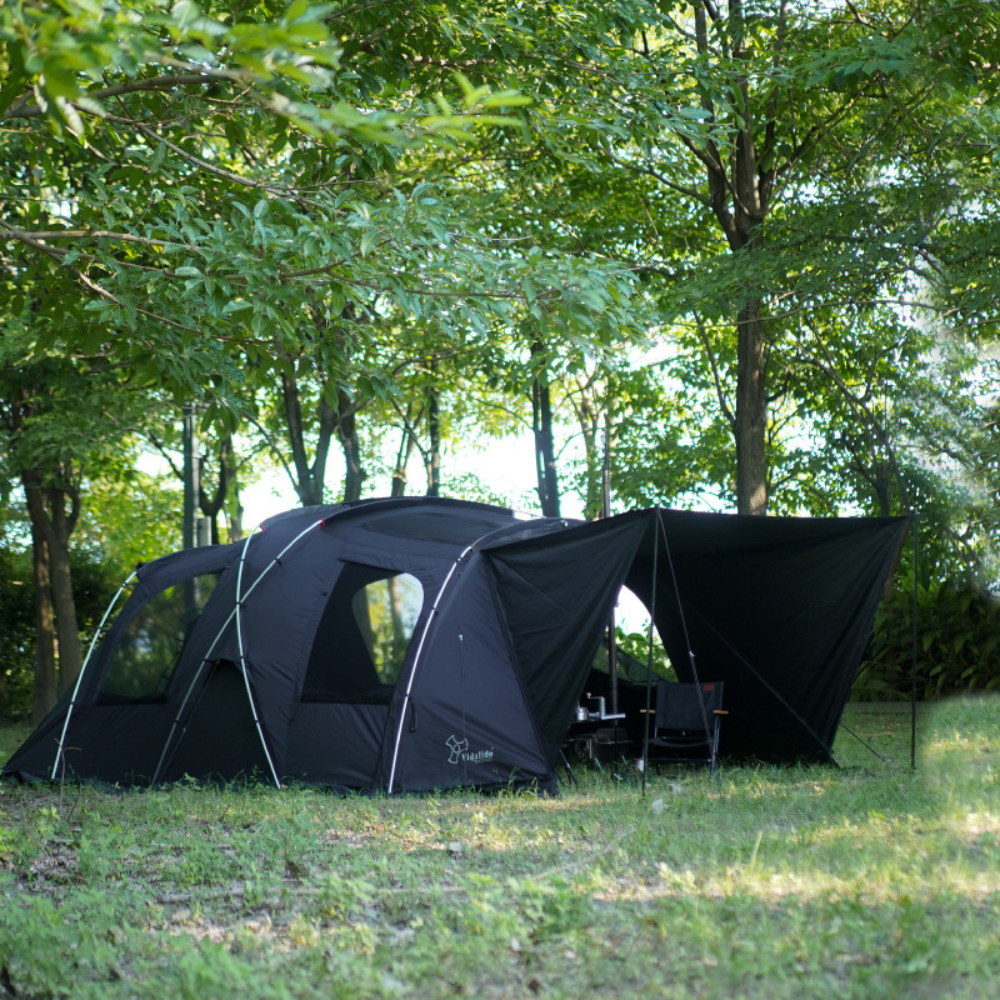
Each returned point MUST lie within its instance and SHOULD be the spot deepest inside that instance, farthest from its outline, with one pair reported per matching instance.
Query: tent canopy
(411, 644)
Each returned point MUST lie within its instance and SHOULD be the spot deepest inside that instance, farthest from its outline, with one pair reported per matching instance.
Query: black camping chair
(686, 723)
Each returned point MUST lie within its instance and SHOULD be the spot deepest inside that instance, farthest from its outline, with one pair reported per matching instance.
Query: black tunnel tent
(413, 644)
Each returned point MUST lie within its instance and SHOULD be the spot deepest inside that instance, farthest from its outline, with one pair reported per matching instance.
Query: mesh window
(150, 644)
(363, 637)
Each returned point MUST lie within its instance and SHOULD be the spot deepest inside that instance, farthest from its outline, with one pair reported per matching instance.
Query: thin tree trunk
(588, 418)
(55, 525)
(310, 478)
(234, 510)
(751, 413)
(545, 458)
(434, 432)
(347, 432)
(211, 506)
(46, 687)
(67, 627)
(398, 487)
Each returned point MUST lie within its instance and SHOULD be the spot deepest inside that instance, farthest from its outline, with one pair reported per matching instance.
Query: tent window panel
(363, 636)
(150, 645)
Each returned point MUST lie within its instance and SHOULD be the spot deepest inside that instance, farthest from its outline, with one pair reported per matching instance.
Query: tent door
(219, 740)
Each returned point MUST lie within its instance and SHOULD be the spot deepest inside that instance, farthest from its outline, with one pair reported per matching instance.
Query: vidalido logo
(460, 752)
(457, 748)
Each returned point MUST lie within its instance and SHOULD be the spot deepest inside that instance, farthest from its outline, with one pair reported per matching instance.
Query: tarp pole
(687, 635)
(649, 653)
(913, 652)
(612, 623)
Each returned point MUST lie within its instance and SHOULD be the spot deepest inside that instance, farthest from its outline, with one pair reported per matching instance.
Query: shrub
(958, 634)
(93, 584)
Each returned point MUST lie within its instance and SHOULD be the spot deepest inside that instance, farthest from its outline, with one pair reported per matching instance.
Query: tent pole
(79, 676)
(913, 652)
(687, 635)
(232, 614)
(649, 653)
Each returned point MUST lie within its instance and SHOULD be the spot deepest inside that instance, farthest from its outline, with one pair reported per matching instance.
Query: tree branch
(24, 107)
(716, 376)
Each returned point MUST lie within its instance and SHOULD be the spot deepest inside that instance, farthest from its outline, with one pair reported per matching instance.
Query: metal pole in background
(913, 666)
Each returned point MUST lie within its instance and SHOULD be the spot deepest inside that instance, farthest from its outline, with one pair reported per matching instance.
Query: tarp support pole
(687, 634)
(612, 623)
(649, 652)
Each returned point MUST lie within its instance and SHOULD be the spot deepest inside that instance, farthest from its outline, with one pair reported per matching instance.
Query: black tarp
(776, 608)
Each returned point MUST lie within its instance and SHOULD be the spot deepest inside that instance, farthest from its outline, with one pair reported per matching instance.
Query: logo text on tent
(460, 752)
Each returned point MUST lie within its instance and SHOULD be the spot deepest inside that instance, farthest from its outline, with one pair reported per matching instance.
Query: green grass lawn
(868, 881)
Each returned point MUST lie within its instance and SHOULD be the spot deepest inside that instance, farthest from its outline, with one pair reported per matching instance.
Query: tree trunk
(55, 525)
(545, 458)
(211, 506)
(751, 413)
(46, 688)
(398, 487)
(347, 432)
(234, 508)
(67, 627)
(309, 477)
(434, 455)
(740, 201)
(588, 418)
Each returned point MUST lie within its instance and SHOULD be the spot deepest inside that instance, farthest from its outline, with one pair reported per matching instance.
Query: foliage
(957, 638)
(94, 584)
(378, 203)
(253, 193)
(17, 637)
(130, 518)
(868, 880)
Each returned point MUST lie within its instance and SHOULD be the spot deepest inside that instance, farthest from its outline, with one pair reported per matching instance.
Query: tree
(749, 160)
(57, 416)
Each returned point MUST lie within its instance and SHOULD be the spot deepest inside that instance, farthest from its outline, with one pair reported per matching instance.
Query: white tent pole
(79, 676)
(413, 668)
(420, 646)
(242, 648)
(225, 625)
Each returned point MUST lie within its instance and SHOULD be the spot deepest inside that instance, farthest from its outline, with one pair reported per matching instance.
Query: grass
(868, 881)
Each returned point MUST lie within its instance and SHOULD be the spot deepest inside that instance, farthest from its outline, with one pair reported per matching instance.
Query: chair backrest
(679, 706)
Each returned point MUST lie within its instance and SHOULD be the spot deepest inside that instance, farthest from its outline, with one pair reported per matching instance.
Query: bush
(958, 634)
(17, 636)
(93, 584)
